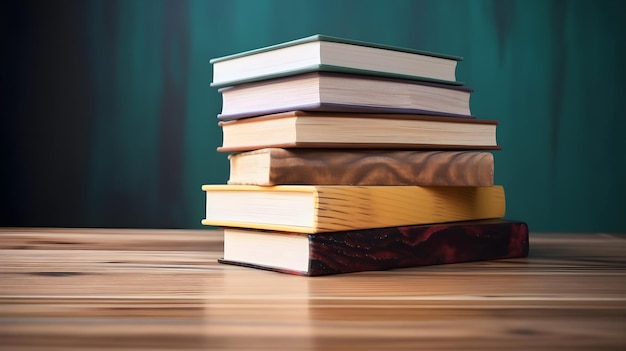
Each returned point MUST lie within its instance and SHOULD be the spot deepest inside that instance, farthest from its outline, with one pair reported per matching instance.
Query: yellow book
(316, 208)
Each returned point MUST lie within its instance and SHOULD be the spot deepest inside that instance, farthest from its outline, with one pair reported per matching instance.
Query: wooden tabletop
(98, 289)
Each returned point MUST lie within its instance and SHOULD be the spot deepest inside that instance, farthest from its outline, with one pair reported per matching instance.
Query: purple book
(375, 249)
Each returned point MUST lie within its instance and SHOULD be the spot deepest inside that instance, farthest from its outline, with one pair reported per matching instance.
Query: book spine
(403, 247)
(324, 167)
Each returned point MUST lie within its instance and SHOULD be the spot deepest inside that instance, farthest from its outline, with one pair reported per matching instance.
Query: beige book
(298, 129)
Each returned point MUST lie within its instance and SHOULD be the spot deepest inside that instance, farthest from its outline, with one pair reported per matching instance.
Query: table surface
(100, 289)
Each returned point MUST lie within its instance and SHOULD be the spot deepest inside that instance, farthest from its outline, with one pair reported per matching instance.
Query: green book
(331, 54)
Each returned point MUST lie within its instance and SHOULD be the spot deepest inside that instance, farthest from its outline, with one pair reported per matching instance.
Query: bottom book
(375, 249)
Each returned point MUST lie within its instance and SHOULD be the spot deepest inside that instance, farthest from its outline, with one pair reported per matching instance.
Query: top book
(325, 53)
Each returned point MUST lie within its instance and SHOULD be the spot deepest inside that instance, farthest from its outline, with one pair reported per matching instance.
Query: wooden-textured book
(274, 166)
(333, 91)
(327, 208)
(298, 129)
(326, 53)
(375, 249)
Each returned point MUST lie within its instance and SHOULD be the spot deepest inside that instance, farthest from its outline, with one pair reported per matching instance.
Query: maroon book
(375, 249)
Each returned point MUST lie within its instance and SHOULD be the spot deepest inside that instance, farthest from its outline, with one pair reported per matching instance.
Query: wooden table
(79, 289)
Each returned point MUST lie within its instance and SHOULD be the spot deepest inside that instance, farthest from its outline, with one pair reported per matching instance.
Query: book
(326, 53)
(274, 166)
(299, 129)
(375, 249)
(327, 208)
(331, 91)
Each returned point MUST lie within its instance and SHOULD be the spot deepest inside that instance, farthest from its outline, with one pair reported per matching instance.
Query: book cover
(339, 108)
(301, 129)
(333, 91)
(327, 53)
(275, 166)
(322, 37)
(327, 208)
(376, 249)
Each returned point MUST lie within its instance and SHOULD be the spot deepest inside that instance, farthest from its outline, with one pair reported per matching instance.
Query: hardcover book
(327, 208)
(326, 53)
(361, 167)
(298, 129)
(375, 249)
(331, 91)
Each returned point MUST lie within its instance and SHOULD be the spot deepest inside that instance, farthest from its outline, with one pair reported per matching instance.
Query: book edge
(351, 75)
(392, 146)
(338, 108)
(298, 113)
(264, 267)
(332, 68)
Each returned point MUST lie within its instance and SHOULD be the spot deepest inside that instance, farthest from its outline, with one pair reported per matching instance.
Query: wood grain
(361, 167)
(88, 289)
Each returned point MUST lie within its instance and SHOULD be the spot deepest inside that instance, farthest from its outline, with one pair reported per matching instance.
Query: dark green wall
(108, 118)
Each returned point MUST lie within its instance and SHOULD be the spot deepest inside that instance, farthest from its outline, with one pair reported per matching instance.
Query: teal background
(108, 119)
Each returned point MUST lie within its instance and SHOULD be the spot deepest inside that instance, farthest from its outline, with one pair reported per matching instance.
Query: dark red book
(375, 249)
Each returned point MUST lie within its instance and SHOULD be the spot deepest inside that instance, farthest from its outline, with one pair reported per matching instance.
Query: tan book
(298, 129)
(275, 166)
(326, 208)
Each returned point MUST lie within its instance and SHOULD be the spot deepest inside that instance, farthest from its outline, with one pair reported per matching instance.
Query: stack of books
(348, 156)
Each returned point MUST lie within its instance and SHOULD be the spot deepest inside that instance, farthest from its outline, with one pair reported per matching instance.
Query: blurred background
(108, 118)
